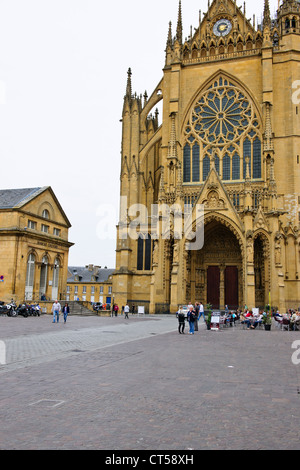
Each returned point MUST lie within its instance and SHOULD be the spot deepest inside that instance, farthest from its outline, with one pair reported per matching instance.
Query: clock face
(222, 27)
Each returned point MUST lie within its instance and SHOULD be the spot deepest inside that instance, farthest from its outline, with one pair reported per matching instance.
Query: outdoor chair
(285, 322)
(278, 322)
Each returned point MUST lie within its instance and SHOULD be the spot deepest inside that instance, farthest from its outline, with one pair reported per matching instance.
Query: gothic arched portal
(215, 273)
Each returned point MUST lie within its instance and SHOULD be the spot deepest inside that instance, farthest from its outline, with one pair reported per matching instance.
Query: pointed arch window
(196, 163)
(187, 164)
(257, 158)
(222, 122)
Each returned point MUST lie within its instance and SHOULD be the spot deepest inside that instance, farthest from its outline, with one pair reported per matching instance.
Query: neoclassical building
(34, 245)
(230, 142)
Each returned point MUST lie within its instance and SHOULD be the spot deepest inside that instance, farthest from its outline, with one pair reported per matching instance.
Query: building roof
(17, 198)
(11, 198)
(86, 273)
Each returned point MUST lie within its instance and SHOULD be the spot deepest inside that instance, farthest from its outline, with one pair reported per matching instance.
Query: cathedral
(229, 142)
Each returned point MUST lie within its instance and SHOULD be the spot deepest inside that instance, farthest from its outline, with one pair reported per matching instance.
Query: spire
(129, 87)
(179, 25)
(169, 40)
(267, 15)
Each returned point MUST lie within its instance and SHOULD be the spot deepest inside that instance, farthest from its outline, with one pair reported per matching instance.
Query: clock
(222, 27)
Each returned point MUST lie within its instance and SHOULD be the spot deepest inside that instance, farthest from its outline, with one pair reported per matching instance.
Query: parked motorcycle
(9, 309)
(23, 310)
(35, 310)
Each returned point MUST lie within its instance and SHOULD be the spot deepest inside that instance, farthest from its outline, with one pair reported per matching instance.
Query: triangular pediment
(260, 221)
(45, 200)
(215, 198)
(224, 10)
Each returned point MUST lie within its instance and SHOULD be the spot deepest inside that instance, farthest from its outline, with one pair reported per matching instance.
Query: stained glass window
(226, 167)
(222, 122)
(235, 167)
(196, 163)
(206, 167)
(257, 158)
(187, 164)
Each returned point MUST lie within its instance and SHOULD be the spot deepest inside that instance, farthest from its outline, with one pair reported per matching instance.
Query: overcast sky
(63, 72)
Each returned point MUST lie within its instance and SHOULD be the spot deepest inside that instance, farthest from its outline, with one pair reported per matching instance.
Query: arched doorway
(216, 271)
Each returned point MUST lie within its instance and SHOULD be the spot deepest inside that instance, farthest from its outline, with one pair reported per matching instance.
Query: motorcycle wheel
(14, 313)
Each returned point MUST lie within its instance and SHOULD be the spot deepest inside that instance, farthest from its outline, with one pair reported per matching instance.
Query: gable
(227, 10)
(46, 200)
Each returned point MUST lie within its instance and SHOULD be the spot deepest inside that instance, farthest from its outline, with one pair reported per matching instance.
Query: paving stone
(110, 383)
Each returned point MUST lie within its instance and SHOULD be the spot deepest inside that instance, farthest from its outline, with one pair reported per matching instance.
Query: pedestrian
(181, 321)
(132, 309)
(197, 311)
(126, 310)
(191, 319)
(56, 309)
(116, 308)
(201, 312)
(66, 311)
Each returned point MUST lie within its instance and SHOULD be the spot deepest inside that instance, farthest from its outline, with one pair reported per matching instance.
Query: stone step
(77, 309)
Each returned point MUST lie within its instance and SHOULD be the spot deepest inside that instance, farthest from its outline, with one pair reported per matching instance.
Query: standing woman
(66, 311)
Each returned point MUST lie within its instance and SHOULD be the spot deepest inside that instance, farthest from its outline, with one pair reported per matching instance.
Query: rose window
(222, 126)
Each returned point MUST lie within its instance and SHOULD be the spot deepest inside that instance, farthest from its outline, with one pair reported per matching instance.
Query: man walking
(126, 311)
(56, 308)
(201, 312)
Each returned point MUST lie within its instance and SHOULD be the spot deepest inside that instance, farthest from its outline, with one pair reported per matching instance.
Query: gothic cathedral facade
(229, 142)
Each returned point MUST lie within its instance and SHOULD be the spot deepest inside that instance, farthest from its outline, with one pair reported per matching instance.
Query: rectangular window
(84, 290)
(110, 290)
(45, 228)
(226, 167)
(56, 232)
(31, 224)
(68, 289)
(235, 167)
(93, 290)
(101, 289)
(206, 167)
(76, 290)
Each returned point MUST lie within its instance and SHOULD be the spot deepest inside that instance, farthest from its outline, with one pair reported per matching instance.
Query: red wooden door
(232, 287)
(213, 286)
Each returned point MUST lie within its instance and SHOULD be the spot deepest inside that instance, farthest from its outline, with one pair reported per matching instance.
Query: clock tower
(228, 141)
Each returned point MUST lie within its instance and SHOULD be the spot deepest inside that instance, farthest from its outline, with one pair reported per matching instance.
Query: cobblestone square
(110, 383)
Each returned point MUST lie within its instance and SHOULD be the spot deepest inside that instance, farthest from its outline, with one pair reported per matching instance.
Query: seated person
(295, 321)
(248, 318)
(257, 320)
